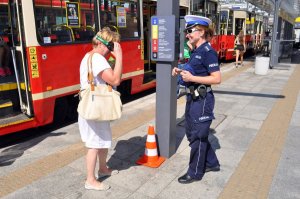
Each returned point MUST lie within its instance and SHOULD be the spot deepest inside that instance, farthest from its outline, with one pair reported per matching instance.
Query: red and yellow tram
(232, 21)
(45, 41)
(227, 21)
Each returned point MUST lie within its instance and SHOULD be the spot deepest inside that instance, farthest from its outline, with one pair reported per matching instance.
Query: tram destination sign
(163, 38)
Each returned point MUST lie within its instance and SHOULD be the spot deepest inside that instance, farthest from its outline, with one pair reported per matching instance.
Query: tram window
(213, 15)
(14, 38)
(250, 24)
(239, 24)
(121, 16)
(223, 22)
(256, 27)
(64, 21)
(230, 25)
(4, 26)
(211, 8)
(248, 29)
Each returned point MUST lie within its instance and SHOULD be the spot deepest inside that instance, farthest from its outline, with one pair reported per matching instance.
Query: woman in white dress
(97, 135)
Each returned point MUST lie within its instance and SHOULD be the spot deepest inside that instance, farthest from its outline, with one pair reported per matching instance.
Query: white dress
(95, 134)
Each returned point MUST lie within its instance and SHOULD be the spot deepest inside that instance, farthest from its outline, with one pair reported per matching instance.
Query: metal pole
(274, 49)
(205, 9)
(17, 77)
(218, 31)
(166, 88)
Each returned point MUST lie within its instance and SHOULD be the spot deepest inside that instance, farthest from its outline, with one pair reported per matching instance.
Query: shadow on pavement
(248, 94)
(126, 153)
(214, 141)
(9, 155)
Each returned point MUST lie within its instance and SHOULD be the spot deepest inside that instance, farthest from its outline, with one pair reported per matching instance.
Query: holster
(192, 92)
(202, 90)
(198, 91)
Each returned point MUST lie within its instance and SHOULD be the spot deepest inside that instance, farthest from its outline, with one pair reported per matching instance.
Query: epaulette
(207, 48)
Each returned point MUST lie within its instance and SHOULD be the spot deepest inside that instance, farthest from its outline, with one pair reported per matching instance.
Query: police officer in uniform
(203, 71)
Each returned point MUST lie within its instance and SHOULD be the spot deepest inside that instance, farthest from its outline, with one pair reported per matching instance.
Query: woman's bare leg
(102, 155)
(91, 158)
(237, 52)
(242, 58)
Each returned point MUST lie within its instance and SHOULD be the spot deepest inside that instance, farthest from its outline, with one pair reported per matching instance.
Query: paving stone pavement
(243, 103)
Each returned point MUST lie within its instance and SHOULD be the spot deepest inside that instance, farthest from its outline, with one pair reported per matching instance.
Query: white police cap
(193, 20)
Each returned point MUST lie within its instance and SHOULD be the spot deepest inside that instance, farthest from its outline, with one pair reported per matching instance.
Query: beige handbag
(99, 102)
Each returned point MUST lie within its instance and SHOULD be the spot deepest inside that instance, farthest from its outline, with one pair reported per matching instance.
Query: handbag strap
(91, 75)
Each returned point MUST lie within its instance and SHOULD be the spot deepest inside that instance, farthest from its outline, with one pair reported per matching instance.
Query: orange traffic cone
(151, 158)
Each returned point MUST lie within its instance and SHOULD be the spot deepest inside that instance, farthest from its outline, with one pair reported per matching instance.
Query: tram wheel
(125, 88)
(72, 113)
(60, 111)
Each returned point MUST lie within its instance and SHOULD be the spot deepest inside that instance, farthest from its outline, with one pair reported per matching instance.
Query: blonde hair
(107, 34)
(241, 36)
(208, 32)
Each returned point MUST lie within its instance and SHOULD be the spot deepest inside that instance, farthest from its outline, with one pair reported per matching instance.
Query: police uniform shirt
(204, 60)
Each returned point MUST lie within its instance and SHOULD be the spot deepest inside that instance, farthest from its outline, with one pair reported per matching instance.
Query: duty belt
(195, 90)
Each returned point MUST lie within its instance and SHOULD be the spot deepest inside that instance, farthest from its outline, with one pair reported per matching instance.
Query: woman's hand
(176, 71)
(117, 52)
(113, 76)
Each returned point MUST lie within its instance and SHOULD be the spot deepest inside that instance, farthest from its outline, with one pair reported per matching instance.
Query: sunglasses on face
(189, 31)
(108, 44)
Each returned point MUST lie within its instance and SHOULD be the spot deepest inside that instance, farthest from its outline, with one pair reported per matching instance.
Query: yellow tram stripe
(7, 104)
(8, 86)
(11, 86)
(16, 122)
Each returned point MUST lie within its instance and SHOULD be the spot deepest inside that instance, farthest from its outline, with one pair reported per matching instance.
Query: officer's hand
(176, 71)
(186, 76)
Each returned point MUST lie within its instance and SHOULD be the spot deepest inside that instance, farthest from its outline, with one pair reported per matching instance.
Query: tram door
(18, 58)
(149, 9)
(239, 21)
(239, 25)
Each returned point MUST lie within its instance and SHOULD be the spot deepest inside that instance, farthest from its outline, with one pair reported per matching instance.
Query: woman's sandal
(112, 173)
(101, 187)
